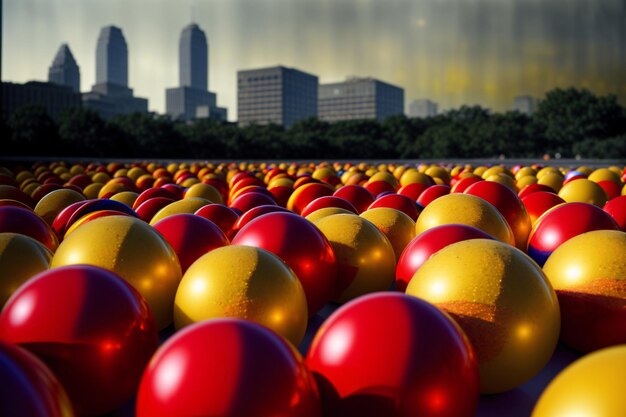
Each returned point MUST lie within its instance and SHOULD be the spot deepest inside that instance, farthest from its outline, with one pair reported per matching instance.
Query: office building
(525, 104)
(53, 97)
(192, 99)
(423, 108)
(359, 98)
(277, 95)
(110, 95)
(64, 69)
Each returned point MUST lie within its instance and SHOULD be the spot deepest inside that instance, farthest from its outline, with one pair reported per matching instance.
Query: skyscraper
(193, 58)
(64, 70)
(276, 95)
(112, 57)
(423, 108)
(192, 99)
(359, 98)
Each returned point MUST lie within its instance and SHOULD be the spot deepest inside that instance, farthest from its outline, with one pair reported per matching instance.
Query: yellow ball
(525, 181)
(187, 205)
(553, 180)
(243, 282)
(394, 224)
(205, 191)
(411, 176)
(593, 386)
(92, 190)
(465, 209)
(133, 250)
(126, 197)
(100, 177)
(604, 174)
(436, 172)
(503, 302)
(52, 203)
(21, 257)
(503, 179)
(365, 258)
(496, 170)
(325, 212)
(386, 177)
(547, 170)
(524, 172)
(583, 191)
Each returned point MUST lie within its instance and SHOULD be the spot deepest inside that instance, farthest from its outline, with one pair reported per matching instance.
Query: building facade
(53, 97)
(423, 108)
(64, 69)
(525, 104)
(277, 95)
(359, 98)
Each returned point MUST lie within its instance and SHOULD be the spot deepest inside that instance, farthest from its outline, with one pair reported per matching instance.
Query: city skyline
(476, 53)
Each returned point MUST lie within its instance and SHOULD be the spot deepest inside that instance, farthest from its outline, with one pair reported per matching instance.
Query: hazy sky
(452, 51)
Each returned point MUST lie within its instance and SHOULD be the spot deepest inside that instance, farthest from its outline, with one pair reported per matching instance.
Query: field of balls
(301, 289)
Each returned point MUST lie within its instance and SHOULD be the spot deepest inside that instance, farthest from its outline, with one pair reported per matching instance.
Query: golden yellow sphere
(133, 250)
(23, 176)
(584, 169)
(397, 227)
(503, 302)
(525, 181)
(205, 191)
(30, 188)
(76, 170)
(495, 170)
(479, 171)
(135, 172)
(280, 181)
(126, 197)
(21, 258)
(386, 177)
(583, 191)
(553, 180)
(604, 174)
(465, 209)
(325, 172)
(547, 170)
(438, 172)
(92, 190)
(525, 171)
(503, 179)
(187, 205)
(325, 212)
(52, 203)
(593, 386)
(101, 177)
(365, 258)
(243, 282)
(411, 176)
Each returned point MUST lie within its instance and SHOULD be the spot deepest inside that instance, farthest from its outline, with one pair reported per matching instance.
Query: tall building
(64, 69)
(525, 104)
(110, 95)
(192, 99)
(276, 95)
(423, 108)
(359, 98)
(53, 97)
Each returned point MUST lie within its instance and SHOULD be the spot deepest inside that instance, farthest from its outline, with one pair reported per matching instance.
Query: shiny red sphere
(539, 202)
(327, 201)
(90, 327)
(413, 190)
(427, 243)
(28, 388)
(616, 208)
(398, 202)
(611, 188)
(223, 216)
(153, 193)
(432, 193)
(60, 222)
(357, 195)
(25, 222)
(250, 200)
(391, 354)
(152, 206)
(376, 188)
(461, 185)
(533, 188)
(305, 194)
(281, 194)
(304, 249)
(227, 367)
(252, 214)
(191, 236)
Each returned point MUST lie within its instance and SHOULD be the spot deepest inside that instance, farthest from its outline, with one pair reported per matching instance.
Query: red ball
(616, 208)
(426, 244)
(539, 202)
(250, 200)
(44, 189)
(153, 193)
(390, 354)
(398, 202)
(28, 387)
(191, 236)
(327, 201)
(252, 214)
(152, 206)
(562, 223)
(60, 222)
(90, 327)
(26, 222)
(533, 188)
(223, 216)
(304, 249)
(413, 190)
(462, 184)
(611, 188)
(432, 193)
(13, 193)
(281, 194)
(227, 367)
(376, 188)
(175, 189)
(357, 195)
(303, 195)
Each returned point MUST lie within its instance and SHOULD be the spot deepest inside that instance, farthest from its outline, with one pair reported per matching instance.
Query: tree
(33, 132)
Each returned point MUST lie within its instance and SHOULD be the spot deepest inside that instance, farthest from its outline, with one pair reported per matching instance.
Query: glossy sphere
(304, 249)
(188, 205)
(28, 387)
(428, 243)
(243, 282)
(327, 201)
(509, 205)
(588, 273)
(133, 250)
(593, 386)
(227, 367)
(397, 227)
(51, 204)
(94, 331)
(21, 258)
(190, 236)
(252, 214)
(583, 191)
(365, 258)
(539, 202)
(305, 194)
(152, 206)
(223, 216)
(617, 209)
(422, 365)
(432, 193)
(465, 209)
(503, 302)
(562, 223)
(357, 195)
(325, 212)
(26, 222)
(399, 202)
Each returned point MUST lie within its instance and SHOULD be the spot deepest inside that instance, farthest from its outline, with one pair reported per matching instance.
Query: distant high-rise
(359, 98)
(64, 70)
(193, 58)
(112, 57)
(53, 97)
(192, 99)
(423, 108)
(525, 104)
(276, 95)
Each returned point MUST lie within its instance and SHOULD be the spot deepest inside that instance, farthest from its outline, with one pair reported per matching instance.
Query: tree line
(568, 122)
